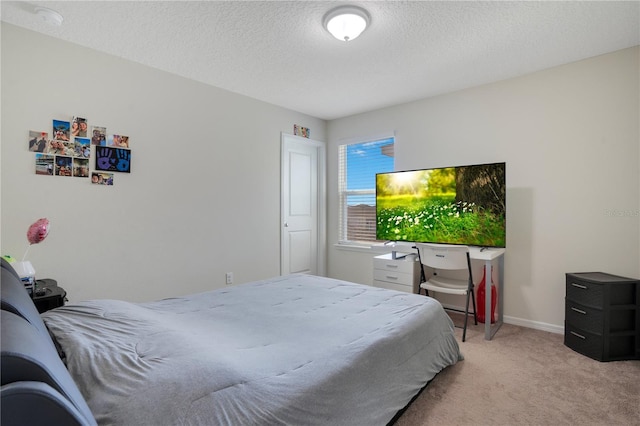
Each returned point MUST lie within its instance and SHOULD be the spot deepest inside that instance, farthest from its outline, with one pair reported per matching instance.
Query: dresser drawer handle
(578, 335)
(391, 266)
(580, 311)
(579, 286)
(391, 277)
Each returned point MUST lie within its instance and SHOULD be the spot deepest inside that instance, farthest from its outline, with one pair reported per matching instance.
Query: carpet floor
(527, 377)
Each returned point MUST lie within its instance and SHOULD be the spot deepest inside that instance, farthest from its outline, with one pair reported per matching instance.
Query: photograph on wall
(99, 178)
(44, 164)
(98, 136)
(79, 127)
(61, 130)
(64, 165)
(58, 147)
(81, 167)
(118, 141)
(82, 147)
(113, 159)
(37, 141)
(301, 131)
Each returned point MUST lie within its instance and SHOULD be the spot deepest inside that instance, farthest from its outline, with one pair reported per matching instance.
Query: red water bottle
(480, 303)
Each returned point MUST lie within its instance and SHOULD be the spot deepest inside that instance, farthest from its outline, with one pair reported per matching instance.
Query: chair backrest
(441, 256)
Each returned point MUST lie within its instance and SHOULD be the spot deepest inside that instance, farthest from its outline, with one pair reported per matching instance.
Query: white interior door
(303, 206)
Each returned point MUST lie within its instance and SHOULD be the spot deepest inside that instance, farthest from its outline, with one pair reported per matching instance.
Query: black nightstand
(48, 295)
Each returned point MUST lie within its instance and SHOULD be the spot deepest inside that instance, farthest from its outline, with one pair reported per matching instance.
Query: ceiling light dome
(346, 22)
(49, 16)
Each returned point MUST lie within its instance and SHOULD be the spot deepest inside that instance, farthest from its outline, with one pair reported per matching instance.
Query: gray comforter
(295, 350)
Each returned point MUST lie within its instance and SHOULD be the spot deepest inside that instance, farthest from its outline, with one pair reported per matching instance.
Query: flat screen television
(450, 205)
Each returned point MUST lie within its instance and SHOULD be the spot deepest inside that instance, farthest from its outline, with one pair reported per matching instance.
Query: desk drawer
(393, 286)
(400, 266)
(393, 277)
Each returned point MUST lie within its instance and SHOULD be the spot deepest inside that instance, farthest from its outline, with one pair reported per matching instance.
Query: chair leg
(473, 299)
(466, 318)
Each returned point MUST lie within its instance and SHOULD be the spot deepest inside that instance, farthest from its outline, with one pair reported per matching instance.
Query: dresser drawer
(584, 292)
(584, 342)
(584, 317)
(402, 265)
(615, 290)
(394, 277)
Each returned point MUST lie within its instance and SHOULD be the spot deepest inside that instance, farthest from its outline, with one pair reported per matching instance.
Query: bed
(290, 350)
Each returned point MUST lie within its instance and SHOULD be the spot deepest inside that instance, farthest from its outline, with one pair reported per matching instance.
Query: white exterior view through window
(359, 163)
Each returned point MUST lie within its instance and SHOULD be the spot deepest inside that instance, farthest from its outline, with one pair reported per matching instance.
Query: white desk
(489, 255)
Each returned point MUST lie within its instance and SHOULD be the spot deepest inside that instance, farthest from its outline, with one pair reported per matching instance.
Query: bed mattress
(292, 350)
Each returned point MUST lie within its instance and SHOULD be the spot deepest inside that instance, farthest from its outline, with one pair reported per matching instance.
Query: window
(359, 163)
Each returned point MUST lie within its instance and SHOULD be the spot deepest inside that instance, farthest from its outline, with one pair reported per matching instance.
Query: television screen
(450, 205)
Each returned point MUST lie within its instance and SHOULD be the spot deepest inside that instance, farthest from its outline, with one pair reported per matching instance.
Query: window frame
(344, 193)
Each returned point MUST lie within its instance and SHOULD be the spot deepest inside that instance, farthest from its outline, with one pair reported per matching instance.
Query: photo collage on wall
(301, 131)
(73, 143)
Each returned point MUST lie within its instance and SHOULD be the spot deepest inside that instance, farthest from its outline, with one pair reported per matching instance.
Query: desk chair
(448, 257)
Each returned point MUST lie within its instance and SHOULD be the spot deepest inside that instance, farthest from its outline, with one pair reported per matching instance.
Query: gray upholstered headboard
(36, 387)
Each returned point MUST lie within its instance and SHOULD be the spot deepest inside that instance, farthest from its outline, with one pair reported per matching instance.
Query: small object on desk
(48, 295)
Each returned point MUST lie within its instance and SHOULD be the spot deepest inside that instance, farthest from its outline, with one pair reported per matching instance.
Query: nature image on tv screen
(454, 205)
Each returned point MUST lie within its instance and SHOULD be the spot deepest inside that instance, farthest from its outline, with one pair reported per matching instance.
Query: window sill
(353, 247)
(377, 248)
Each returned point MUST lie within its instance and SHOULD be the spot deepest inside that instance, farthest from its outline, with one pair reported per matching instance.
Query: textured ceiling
(278, 52)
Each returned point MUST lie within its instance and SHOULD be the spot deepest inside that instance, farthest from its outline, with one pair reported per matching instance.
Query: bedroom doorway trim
(303, 206)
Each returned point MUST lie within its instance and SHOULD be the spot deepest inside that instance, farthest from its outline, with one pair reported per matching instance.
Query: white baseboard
(537, 325)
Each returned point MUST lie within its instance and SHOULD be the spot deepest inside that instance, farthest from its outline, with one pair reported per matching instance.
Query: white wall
(570, 138)
(203, 197)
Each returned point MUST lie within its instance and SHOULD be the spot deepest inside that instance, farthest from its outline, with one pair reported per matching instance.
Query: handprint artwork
(124, 158)
(113, 159)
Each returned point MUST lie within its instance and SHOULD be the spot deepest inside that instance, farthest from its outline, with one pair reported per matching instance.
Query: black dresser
(602, 316)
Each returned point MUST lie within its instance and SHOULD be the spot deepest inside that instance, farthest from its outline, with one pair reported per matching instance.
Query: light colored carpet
(527, 377)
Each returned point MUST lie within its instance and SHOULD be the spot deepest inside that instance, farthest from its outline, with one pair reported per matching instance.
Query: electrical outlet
(229, 276)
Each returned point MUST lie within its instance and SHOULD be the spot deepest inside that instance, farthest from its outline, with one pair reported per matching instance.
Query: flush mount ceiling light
(346, 22)
(49, 16)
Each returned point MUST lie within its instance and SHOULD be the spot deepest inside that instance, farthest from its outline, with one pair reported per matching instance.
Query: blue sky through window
(364, 160)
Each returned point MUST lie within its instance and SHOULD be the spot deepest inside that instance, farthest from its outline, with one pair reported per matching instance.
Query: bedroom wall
(570, 138)
(206, 174)
(203, 197)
